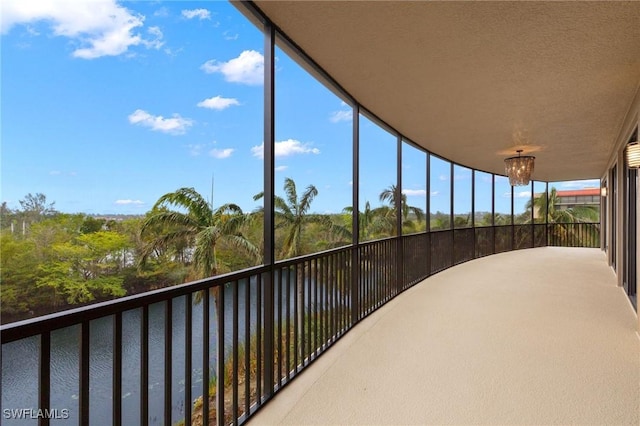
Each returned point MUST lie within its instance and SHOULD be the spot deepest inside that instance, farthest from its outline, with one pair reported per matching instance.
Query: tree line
(52, 261)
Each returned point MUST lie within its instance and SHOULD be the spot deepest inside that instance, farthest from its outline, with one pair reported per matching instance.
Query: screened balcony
(539, 336)
(526, 313)
(487, 310)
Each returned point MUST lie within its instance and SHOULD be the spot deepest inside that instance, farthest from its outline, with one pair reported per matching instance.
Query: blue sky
(108, 105)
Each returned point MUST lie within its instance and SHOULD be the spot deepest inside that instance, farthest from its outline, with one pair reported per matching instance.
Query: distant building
(578, 197)
(572, 198)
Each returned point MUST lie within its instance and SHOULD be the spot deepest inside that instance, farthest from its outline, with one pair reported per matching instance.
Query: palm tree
(549, 206)
(389, 195)
(292, 215)
(367, 221)
(200, 224)
(203, 227)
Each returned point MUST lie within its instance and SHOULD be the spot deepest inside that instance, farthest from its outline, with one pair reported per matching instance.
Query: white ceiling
(473, 81)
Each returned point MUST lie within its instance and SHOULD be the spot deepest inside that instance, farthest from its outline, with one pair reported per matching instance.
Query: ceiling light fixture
(519, 169)
(633, 155)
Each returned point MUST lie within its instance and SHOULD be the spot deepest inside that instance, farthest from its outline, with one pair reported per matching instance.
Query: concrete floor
(538, 336)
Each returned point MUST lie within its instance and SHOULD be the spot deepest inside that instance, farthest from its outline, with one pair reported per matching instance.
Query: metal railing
(215, 350)
(574, 234)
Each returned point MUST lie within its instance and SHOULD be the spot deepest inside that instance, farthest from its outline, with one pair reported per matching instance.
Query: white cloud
(197, 13)
(128, 202)
(221, 153)
(218, 103)
(102, 28)
(228, 36)
(443, 177)
(580, 184)
(435, 193)
(163, 12)
(286, 148)
(172, 52)
(195, 149)
(157, 42)
(32, 31)
(522, 194)
(248, 68)
(281, 168)
(175, 125)
(338, 116)
(415, 192)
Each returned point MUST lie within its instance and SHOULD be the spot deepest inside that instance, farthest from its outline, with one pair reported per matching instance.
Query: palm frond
(241, 242)
(307, 198)
(169, 218)
(290, 192)
(388, 195)
(204, 255)
(281, 207)
(190, 200)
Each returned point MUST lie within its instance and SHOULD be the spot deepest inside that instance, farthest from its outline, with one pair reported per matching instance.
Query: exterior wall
(631, 122)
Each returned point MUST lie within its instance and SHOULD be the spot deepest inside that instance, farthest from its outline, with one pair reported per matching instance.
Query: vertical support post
(44, 376)
(428, 215)
(399, 249)
(235, 342)
(205, 355)
(83, 404)
(533, 226)
(269, 210)
(428, 206)
(188, 323)
(168, 360)
(493, 210)
(473, 210)
(355, 219)
(117, 369)
(546, 215)
(513, 226)
(451, 217)
(144, 369)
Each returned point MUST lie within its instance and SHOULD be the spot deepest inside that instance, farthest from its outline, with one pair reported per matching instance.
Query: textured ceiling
(471, 81)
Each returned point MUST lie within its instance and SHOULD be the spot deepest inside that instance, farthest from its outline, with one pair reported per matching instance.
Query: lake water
(20, 363)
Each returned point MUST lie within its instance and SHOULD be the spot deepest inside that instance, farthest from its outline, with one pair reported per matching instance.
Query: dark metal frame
(372, 273)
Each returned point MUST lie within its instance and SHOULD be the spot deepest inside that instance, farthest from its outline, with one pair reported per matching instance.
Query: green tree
(389, 195)
(502, 219)
(556, 214)
(199, 225)
(440, 220)
(203, 227)
(36, 208)
(7, 216)
(91, 224)
(369, 222)
(293, 217)
(85, 268)
(18, 273)
(564, 217)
